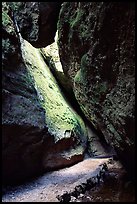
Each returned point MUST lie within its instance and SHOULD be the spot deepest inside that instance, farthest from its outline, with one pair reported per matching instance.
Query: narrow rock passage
(47, 187)
(96, 147)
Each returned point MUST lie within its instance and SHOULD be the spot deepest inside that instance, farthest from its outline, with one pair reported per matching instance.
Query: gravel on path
(46, 187)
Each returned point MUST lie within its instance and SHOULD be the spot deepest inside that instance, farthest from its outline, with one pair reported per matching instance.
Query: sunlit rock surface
(51, 57)
(62, 122)
(96, 46)
(40, 132)
(52, 52)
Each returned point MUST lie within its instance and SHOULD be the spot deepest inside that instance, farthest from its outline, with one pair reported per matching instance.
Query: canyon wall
(40, 132)
(96, 46)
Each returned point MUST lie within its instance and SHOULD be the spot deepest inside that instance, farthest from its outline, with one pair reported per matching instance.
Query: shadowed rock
(64, 198)
(37, 21)
(97, 51)
(40, 132)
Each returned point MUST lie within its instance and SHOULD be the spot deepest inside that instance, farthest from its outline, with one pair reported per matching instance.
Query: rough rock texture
(10, 51)
(40, 132)
(37, 21)
(51, 56)
(96, 46)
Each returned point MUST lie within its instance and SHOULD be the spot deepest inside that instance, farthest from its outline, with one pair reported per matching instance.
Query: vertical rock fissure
(69, 96)
(102, 71)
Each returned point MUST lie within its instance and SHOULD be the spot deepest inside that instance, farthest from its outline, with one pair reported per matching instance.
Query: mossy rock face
(96, 46)
(40, 132)
(37, 21)
(59, 115)
(52, 59)
(7, 22)
(10, 44)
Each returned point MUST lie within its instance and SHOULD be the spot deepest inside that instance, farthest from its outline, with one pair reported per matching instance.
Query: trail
(47, 187)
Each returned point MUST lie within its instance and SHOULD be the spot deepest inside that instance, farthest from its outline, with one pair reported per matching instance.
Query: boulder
(40, 132)
(51, 56)
(96, 47)
(37, 21)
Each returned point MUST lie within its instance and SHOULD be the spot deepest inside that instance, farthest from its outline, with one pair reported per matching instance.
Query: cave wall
(37, 21)
(96, 45)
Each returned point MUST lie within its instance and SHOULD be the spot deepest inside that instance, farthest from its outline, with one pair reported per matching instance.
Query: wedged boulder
(40, 132)
(37, 21)
(51, 57)
(96, 47)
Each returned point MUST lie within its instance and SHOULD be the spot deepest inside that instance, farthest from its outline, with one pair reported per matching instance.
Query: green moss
(100, 89)
(15, 5)
(81, 95)
(6, 19)
(84, 32)
(59, 115)
(84, 60)
(85, 68)
(75, 19)
(77, 78)
(82, 73)
(52, 59)
(88, 97)
(103, 87)
(6, 45)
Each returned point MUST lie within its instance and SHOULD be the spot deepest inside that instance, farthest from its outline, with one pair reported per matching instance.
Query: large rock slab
(96, 46)
(40, 132)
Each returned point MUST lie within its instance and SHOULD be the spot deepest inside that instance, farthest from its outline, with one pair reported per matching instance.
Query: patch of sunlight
(52, 50)
(88, 167)
(59, 116)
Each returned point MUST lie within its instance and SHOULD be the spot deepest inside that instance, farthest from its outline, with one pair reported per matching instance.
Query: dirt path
(48, 186)
(45, 188)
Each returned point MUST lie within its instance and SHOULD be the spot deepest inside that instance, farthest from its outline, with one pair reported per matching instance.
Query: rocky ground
(115, 188)
(52, 186)
(48, 186)
(82, 182)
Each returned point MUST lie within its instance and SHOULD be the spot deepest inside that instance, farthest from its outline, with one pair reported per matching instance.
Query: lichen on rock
(59, 115)
(40, 131)
(36, 20)
(96, 46)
